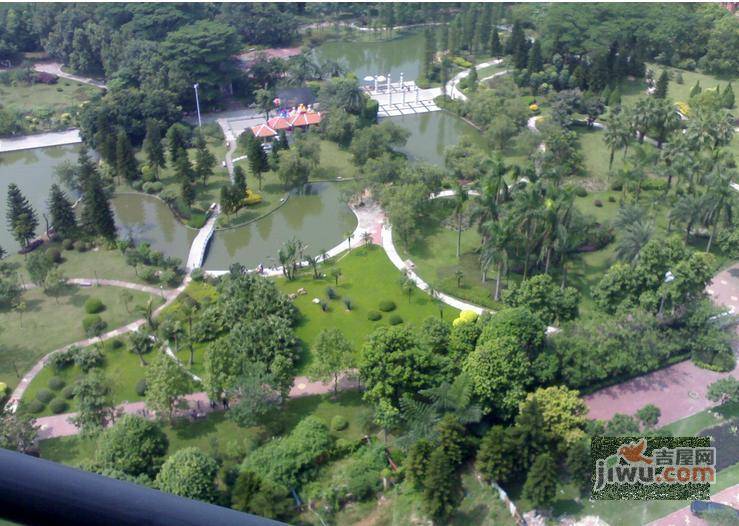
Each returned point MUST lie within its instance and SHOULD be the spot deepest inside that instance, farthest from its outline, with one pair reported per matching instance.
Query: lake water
(432, 133)
(318, 217)
(33, 172)
(396, 56)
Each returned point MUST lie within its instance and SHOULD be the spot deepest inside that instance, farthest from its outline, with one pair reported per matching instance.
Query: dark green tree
(63, 218)
(728, 97)
(20, 215)
(442, 491)
(660, 90)
(126, 166)
(97, 216)
(495, 47)
(417, 461)
(177, 139)
(495, 458)
(132, 445)
(240, 179)
(535, 60)
(696, 90)
(153, 147)
(204, 160)
(189, 473)
(541, 483)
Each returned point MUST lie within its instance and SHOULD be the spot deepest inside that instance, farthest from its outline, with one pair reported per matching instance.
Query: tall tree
(333, 354)
(204, 160)
(97, 215)
(94, 405)
(166, 382)
(63, 218)
(153, 147)
(189, 473)
(541, 484)
(443, 486)
(461, 197)
(126, 166)
(21, 217)
(660, 89)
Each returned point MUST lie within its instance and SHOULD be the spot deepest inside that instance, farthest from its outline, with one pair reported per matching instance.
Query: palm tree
(500, 235)
(688, 210)
(460, 198)
(140, 343)
(485, 205)
(617, 136)
(188, 307)
(367, 238)
(147, 312)
(527, 207)
(331, 68)
(633, 239)
(721, 201)
(436, 300)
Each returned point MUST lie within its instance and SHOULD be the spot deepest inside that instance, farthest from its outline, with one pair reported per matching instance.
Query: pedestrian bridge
(200, 243)
(403, 98)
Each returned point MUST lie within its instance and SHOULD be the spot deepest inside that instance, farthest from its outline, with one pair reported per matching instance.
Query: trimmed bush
(331, 293)
(598, 203)
(373, 315)
(44, 396)
(580, 191)
(93, 325)
(80, 246)
(339, 423)
(55, 383)
(89, 358)
(68, 392)
(58, 406)
(611, 199)
(94, 306)
(114, 345)
(169, 278)
(137, 185)
(67, 244)
(617, 186)
(387, 306)
(348, 303)
(54, 255)
(395, 320)
(35, 406)
(152, 187)
(149, 275)
(197, 220)
(198, 274)
(141, 387)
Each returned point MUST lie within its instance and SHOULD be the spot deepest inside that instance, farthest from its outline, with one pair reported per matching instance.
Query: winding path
(451, 87)
(54, 68)
(169, 295)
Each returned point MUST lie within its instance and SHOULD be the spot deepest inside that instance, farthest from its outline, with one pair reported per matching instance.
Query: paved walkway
(60, 425)
(169, 295)
(55, 68)
(683, 516)
(455, 93)
(40, 140)
(200, 243)
(86, 282)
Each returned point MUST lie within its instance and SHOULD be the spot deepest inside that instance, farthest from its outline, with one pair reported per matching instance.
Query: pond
(432, 133)
(146, 218)
(319, 217)
(395, 56)
(33, 172)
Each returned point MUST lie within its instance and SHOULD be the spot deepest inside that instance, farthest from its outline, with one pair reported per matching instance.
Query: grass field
(217, 433)
(57, 97)
(121, 367)
(368, 277)
(48, 324)
(334, 163)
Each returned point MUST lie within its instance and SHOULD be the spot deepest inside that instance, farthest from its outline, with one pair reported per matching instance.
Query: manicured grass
(48, 324)
(35, 97)
(334, 163)
(368, 277)
(692, 425)
(121, 367)
(218, 433)
(99, 263)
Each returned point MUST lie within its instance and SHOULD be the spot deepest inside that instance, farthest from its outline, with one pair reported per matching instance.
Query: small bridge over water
(200, 243)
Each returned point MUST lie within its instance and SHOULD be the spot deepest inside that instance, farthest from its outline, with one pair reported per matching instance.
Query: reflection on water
(33, 172)
(146, 218)
(432, 133)
(400, 55)
(318, 217)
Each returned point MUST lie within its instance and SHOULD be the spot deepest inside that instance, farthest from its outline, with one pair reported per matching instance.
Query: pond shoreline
(40, 140)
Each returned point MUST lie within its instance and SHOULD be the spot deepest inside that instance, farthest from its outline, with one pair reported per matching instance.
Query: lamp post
(197, 103)
(669, 278)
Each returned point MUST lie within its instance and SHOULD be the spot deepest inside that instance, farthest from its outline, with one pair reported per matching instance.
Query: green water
(432, 133)
(396, 56)
(318, 217)
(146, 218)
(33, 172)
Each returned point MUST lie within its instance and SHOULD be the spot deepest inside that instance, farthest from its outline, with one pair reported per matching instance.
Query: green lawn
(334, 163)
(60, 96)
(122, 368)
(692, 425)
(368, 277)
(48, 324)
(217, 433)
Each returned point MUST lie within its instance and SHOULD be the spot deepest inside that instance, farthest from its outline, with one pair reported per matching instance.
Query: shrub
(598, 203)
(611, 199)
(94, 306)
(152, 187)
(387, 306)
(137, 185)
(149, 275)
(169, 277)
(89, 358)
(324, 306)
(198, 274)
(617, 186)
(114, 345)
(197, 220)
(68, 392)
(141, 387)
(339, 423)
(466, 316)
(395, 320)
(63, 359)
(93, 325)
(373, 315)
(58, 406)
(55, 383)
(44, 396)
(331, 293)
(67, 244)
(80, 246)
(54, 255)
(580, 191)
(348, 303)
(35, 406)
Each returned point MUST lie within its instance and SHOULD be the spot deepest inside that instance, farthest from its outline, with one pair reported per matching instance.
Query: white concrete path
(55, 68)
(455, 93)
(200, 243)
(41, 140)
